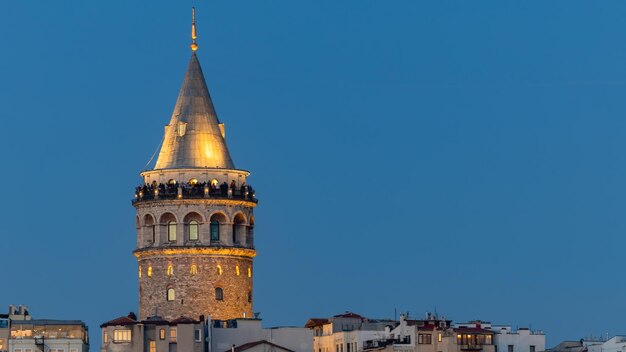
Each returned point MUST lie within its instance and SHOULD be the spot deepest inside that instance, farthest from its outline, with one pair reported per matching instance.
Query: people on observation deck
(194, 189)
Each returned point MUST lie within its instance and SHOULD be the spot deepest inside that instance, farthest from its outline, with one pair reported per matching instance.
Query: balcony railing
(381, 343)
(197, 191)
(471, 347)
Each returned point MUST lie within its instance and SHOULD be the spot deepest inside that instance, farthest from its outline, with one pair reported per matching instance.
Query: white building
(520, 340)
(508, 340)
(248, 334)
(348, 332)
(614, 344)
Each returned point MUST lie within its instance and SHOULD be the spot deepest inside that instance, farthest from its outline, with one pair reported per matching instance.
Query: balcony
(382, 343)
(193, 191)
(472, 347)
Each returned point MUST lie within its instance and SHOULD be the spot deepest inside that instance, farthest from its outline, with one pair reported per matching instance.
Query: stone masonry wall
(195, 293)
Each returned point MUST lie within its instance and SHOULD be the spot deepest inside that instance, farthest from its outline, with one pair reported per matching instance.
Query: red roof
(155, 321)
(427, 327)
(315, 322)
(119, 321)
(256, 343)
(473, 331)
(348, 315)
(183, 320)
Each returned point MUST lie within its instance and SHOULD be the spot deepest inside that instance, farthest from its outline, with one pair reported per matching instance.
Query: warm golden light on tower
(194, 238)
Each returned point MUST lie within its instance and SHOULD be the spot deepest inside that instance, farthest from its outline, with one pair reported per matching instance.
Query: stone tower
(195, 241)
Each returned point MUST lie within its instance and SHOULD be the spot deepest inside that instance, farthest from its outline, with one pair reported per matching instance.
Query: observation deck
(152, 192)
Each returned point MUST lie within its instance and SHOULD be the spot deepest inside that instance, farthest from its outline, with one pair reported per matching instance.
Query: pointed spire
(194, 138)
(193, 45)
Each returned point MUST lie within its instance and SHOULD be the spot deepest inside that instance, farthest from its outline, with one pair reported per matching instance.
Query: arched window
(193, 181)
(239, 228)
(170, 270)
(171, 231)
(149, 271)
(215, 231)
(193, 230)
(193, 270)
(149, 229)
(219, 294)
(219, 269)
(171, 295)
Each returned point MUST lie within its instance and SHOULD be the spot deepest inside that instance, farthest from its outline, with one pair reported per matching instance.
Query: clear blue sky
(463, 155)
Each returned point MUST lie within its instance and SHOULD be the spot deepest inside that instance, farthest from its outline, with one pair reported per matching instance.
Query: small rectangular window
(439, 337)
(510, 349)
(162, 334)
(173, 334)
(215, 231)
(28, 350)
(193, 230)
(152, 346)
(424, 339)
(18, 350)
(532, 348)
(171, 231)
(197, 335)
(73, 349)
(1, 344)
(105, 336)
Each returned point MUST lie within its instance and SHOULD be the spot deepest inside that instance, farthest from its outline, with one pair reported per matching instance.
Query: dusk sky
(463, 156)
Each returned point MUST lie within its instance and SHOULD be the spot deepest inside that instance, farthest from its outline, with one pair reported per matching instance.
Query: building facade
(127, 334)
(348, 332)
(353, 333)
(19, 332)
(155, 334)
(520, 340)
(195, 221)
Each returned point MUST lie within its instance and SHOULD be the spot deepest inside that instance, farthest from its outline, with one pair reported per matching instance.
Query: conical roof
(194, 138)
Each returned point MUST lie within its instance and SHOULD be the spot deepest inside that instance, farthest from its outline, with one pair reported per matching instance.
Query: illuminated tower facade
(195, 221)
